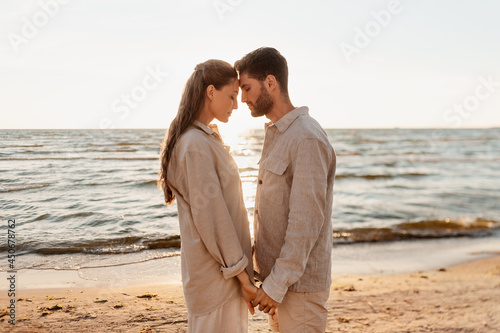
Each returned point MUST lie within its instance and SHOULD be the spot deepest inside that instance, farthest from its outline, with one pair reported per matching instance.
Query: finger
(257, 299)
(250, 308)
(261, 307)
(272, 311)
(267, 309)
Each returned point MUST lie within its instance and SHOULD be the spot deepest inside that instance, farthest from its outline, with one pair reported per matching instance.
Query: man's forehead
(245, 79)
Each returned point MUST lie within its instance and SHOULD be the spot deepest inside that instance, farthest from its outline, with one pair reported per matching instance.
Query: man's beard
(263, 104)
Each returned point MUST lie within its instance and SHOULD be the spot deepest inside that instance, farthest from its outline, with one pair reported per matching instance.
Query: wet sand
(461, 298)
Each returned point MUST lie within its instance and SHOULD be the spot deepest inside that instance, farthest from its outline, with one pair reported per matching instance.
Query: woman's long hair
(211, 72)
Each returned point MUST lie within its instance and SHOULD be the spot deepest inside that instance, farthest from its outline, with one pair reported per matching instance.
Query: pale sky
(356, 64)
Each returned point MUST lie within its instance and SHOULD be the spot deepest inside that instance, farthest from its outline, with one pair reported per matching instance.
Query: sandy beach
(461, 298)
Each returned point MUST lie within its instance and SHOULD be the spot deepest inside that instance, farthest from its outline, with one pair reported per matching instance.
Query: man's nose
(243, 97)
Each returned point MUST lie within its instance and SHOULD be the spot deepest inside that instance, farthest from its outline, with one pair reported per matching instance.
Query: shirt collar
(211, 132)
(284, 122)
(203, 127)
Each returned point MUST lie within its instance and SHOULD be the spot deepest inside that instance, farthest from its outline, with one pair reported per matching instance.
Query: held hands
(266, 303)
(256, 296)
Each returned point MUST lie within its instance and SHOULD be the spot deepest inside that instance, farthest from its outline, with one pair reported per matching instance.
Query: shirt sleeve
(210, 213)
(308, 202)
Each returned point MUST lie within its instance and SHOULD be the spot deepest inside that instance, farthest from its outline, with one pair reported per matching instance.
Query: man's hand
(248, 289)
(266, 303)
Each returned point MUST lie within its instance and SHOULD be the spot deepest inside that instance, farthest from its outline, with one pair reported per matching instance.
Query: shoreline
(364, 259)
(459, 298)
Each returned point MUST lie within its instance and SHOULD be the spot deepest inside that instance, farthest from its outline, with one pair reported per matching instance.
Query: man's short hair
(262, 62)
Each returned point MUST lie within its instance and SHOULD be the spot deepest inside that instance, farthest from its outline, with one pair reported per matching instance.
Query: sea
(83, 199)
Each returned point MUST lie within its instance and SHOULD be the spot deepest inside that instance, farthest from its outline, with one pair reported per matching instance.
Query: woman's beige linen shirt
(213, 220)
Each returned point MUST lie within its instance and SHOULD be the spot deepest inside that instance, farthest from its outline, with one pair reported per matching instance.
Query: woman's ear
(210, 92)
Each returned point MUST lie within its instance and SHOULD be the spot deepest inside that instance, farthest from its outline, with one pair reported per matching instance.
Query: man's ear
(271, 82)
(210, 92)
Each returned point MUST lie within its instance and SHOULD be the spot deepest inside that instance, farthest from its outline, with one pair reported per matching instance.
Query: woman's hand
(248, 289)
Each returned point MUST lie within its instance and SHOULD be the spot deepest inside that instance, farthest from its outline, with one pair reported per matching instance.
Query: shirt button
(260, 181)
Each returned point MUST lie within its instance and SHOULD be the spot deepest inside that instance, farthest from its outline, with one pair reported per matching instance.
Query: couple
(291, 254)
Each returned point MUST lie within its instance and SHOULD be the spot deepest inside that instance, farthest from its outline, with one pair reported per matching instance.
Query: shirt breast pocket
(273, 182)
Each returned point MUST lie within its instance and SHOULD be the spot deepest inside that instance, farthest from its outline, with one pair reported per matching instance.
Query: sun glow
(240, 122)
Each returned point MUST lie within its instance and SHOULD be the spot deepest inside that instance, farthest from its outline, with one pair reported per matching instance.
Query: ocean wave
(132, 244)
(112, 150)
(426, 229)
(148, 183)
(23, 146)
(130, 144)
(144, 158)
(411, 230)
(358, 141)
(42, 217)
(22, 187)
(381, 176)
(122, 245)
(347, 153)
(40, 158)
(75, 215)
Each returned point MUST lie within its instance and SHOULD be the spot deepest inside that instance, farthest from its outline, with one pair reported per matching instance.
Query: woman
(199, 172)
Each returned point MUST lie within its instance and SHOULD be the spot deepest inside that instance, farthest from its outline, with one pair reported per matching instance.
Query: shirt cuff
(274, 289)
(230, 272)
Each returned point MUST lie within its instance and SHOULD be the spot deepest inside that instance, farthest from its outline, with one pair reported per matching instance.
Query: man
(293, 204)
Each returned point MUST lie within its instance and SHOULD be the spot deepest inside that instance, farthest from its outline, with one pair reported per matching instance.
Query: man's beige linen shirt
(213, 220)
(293, 207)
